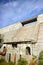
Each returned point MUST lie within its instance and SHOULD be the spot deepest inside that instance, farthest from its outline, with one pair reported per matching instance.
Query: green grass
(3, 62)
(22, 61)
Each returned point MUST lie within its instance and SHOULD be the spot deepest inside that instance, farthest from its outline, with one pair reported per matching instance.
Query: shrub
(40, 58)
(22, 61)
(2, 60)
(11, 63)
(40, 62)
(41, 55)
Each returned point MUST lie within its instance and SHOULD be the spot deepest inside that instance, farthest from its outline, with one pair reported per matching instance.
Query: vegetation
(41, 55)
(40, 58)
(3, 62)
(40, 62)
(22, 61)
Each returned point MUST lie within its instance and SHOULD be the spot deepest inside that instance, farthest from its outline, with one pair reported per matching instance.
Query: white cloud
(14, 4)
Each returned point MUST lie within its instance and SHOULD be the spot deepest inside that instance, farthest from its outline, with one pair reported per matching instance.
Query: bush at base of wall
(40, 58)
(3, 62)
(22, 61)
(40, 62)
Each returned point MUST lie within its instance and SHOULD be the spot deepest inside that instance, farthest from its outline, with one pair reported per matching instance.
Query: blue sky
(12, 11)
